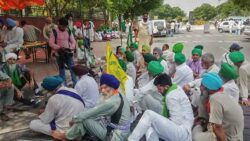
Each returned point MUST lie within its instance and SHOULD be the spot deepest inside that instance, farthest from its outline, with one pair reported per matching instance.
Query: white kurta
(183, 75)
(244, 80)
(175, 128)
(143, 79)
(165, 65)
(231, 89)
(225, 59)
(88, 90)
(62, 108)
(14, 39)
(131, 70)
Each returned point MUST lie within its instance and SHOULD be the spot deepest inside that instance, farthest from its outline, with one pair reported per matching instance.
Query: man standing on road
(145, 33)
(238, 59)
(63, 43)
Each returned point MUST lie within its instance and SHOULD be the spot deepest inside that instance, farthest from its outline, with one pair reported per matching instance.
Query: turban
(123, 49)
(179, 58)
(235, 46)
(146, 48)
(227, 71)
(211, 81)
(10, 55)
(122, 64)
(110, 81)
(80, 70)
(158, 50)
(130, 57)
(178, 47)
(199, 47)
(80, 43)
(197, 51)
(134, 45)
(11, 22)
(1, 21)
(236, 57)
(149, 57)
(78, 24)
(155, 67)
(50, 83)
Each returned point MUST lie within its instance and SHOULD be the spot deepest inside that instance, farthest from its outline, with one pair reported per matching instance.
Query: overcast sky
(189, 5)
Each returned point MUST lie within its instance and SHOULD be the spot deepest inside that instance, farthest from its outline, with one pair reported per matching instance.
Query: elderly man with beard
(157, 52)
(113, 105)
(21, 78)
(14, 37)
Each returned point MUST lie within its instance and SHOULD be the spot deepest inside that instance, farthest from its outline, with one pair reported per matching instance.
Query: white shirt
(131, 70)
(225, 59)
(129, 89)
(183, 75)
(62, 108)
(165, 65)
(231, 89)
(143, 79)
(172, 25)
(214, 68)
(88, 90)
(180, 109)
(149, 26)
(14, 36)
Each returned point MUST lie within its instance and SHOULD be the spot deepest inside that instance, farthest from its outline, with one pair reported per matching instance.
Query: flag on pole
(114, 68)
(130, 37)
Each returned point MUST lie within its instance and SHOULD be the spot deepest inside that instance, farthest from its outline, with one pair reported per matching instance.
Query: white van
(159, 27)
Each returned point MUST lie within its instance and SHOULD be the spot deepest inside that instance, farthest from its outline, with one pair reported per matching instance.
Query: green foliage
(229, 9)
(245, 4)
(204, 12)
(168, 12)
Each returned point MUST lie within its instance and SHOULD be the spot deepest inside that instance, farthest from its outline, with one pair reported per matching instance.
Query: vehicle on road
(224, 26)
(247, 30)
(159, 27)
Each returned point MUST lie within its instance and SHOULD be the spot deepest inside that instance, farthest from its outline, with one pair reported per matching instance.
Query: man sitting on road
(175, 121)
(225, 123)
(6, 95)
(113, 105)
(238, 59)
(60, 109)
(22, 78)
(195, 63)
(225, 57)
(86, 86)
(183, 74)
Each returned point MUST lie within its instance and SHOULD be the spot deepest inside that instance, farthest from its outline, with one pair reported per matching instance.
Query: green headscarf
(197, 51)
(122, 64)
(155, 67)
(227, 71)
(134, 45)
(179, 58)
(149, 57)
(237, 56)
(178, 47)
(130, 57)
(199, 47)
(146, 48)
(165, 110)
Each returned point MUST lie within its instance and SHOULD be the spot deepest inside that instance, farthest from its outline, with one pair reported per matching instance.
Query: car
(247, 30)
(224, 26)
(159, 27)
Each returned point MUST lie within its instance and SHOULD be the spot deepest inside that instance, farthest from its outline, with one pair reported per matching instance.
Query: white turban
(10, 55)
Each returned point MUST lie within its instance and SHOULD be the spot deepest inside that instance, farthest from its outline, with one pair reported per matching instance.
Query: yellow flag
(114, 68)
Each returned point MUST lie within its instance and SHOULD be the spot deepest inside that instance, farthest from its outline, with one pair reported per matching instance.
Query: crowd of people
(174, 98)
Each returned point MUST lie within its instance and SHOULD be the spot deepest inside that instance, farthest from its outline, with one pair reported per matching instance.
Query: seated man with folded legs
(60, 109)
(6, 94)
(113, 105)
(225, 114)
(176, 120)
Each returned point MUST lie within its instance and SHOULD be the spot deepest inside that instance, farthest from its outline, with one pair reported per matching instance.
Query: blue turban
(11, 22)
(1, 21)
(211, 81)
(50, 83)
(110, 80)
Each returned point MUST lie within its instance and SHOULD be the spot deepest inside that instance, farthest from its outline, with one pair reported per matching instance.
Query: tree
(166, 11)
(245, 4)
(229, 9)
(204, 12)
